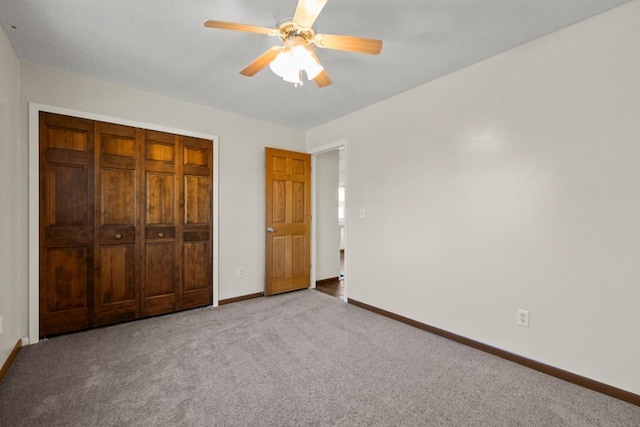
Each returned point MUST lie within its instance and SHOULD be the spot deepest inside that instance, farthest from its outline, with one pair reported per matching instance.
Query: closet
(125, 223)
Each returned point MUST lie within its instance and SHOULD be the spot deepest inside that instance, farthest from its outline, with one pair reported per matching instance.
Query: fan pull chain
(301, 82)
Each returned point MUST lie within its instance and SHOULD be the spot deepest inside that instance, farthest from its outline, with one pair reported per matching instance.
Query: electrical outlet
(241, 272)
(523, 318)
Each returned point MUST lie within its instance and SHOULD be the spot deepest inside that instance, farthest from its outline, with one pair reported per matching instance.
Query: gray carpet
(302, 358)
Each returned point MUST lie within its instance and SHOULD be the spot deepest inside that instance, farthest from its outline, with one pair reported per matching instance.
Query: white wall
(511, 184)
(12, 214)
(327, 227)
(241, 179)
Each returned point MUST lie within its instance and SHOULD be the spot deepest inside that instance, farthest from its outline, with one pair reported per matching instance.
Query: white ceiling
(161, 46)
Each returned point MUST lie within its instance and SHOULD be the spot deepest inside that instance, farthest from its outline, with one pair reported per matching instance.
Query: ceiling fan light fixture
(312, 67)
(289, 64)
(293, 76)
(281, 64)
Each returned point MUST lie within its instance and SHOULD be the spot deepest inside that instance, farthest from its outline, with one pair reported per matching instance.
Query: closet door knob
(118, 236)
(160, 234)
(270, 230)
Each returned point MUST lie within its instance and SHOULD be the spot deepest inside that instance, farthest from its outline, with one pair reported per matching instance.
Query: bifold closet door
(161, 275)
(66, 223)
(178, 226)
(117, 223)
(125, 223)
(197, 184)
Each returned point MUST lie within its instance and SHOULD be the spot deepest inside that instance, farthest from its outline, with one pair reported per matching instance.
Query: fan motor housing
(288, 29)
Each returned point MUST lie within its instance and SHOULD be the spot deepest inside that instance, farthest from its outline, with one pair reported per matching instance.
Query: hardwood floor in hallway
(335, 288)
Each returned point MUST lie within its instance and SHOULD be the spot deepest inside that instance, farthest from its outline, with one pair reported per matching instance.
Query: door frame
(314, 214)
(34, 205)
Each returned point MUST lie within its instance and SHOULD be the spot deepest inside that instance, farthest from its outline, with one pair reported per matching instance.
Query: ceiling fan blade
(260, 62)
(240, 27)
(307, 12)
(322, 79)
(348, 43)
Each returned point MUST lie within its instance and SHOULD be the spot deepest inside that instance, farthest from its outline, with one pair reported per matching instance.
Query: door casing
(314, 235)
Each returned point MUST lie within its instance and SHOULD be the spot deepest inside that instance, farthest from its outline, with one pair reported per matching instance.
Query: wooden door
(161, 273)
(288, 221)
(196, 195)
(66, 223)
(117, 223)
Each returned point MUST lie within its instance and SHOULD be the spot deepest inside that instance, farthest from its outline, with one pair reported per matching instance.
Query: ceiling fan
(299, 38)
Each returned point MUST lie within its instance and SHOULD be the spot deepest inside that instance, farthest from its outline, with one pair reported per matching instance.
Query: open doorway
(330, 221)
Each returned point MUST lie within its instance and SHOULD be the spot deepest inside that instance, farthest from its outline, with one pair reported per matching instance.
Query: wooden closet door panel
(117, 154)
(64, 302)
(197, 202)
(197, 254)
(66, 223)
(161, 282)
(161, 295)
(161, 199)
(66, 199)
(67, 270)
(117, 279)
